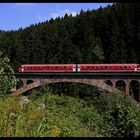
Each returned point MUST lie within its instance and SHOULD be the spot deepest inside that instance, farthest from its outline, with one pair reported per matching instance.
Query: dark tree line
(105, 35)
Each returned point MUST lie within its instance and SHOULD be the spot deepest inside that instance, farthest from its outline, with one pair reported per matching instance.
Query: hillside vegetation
(62, 116)
(105, 35)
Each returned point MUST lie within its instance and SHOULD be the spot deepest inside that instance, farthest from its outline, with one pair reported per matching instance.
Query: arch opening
(108, 82)
(29, 81)
(74, 89)
(19, 84)
(120, 84)
(134, 90)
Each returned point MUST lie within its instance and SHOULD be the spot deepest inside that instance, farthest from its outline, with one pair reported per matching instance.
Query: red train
(78, 67)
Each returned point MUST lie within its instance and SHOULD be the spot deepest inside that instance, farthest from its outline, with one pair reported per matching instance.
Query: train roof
(46, 64)
(108, 64)
(126, 64)
(79, 64)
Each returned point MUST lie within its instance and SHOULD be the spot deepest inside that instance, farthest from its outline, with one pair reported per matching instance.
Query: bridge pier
(114, 84)
(127, 83)
(139, 91)
(14, 89)
(24, 82)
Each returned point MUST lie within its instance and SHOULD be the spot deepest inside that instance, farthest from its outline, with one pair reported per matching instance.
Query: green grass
(51, 115)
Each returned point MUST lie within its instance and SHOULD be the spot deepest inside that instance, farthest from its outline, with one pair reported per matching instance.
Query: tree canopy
(105, 35)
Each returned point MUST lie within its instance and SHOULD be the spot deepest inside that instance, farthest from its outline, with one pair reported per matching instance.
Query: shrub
(121, 115)
(7, 78)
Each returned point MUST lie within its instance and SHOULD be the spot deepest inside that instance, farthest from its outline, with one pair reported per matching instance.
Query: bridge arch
(109, 82)
(20, 84)
(134, 88)
(29, 81)
(97, 83)
(121, 85)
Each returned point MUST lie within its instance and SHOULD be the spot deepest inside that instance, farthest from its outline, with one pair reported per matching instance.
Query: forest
(105, 35)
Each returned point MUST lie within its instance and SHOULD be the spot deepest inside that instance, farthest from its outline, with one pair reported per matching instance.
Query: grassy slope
(63, 116)
(49, 115)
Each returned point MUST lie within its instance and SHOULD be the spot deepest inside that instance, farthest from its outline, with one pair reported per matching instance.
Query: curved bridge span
(95, 79)
(98, 83)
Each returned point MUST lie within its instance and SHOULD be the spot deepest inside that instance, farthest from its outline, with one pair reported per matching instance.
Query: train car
(47, 68)
(107, 67)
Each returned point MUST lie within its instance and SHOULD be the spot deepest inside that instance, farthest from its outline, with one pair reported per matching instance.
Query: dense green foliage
(62, 116)
(48, 116)
(121, 114)
(105, 35)
(7, 79)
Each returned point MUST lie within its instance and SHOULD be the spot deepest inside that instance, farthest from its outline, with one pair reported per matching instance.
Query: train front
(21, 68)
(138, 67)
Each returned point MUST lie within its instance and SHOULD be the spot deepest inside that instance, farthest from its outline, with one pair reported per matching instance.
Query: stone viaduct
(98, 79)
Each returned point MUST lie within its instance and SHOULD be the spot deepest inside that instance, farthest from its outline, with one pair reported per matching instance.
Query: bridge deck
(93, 75)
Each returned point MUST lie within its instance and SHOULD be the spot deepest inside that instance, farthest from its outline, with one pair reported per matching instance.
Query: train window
(116, 67)
(101, 67)
(120, 66)
(97, 67)
(64, 67)
(105, 66)
(125, 66)
(92, 67)
(110, 66)
(56, 67)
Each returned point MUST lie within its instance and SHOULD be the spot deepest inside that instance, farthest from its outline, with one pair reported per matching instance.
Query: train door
(138, 68)
(22, 69)
(78, 68)
(135, 67)
(74, 68)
